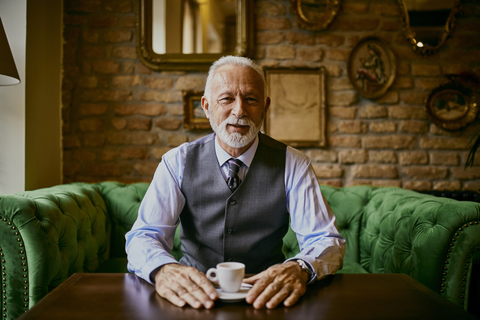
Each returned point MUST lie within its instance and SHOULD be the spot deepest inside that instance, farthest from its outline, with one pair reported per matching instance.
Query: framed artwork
(451, 106)
(194, 116)
(372, 67)
(297, 111)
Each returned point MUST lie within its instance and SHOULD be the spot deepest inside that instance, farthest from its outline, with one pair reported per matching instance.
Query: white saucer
(235, 296)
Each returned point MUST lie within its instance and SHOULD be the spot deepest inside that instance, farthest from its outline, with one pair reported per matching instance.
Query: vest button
(232, 202)
(229, 230)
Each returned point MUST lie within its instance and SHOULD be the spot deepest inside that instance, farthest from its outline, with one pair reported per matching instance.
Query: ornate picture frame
(315, 15)
(193, 116)
(297, 110)
(451, 106)
(372, 67)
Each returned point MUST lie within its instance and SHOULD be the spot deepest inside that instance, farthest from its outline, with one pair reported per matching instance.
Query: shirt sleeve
(150, 241)
(311, 218)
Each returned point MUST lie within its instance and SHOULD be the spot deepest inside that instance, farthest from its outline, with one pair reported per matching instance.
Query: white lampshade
(8, 70)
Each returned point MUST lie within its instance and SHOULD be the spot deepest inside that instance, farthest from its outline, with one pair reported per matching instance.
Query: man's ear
(267, 104)
(205, 106)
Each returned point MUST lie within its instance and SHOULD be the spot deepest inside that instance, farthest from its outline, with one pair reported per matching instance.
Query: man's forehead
(231, 72)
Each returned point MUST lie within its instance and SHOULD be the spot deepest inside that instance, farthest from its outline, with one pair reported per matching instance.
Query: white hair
(233, 61)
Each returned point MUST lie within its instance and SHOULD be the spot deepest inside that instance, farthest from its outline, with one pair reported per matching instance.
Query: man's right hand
(182, 285)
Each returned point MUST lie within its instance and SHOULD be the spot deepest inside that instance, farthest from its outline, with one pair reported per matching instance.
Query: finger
(280, 296)
(258, 287)
(196, 290)
(253, 279)
(198, 295)
(172, 297)
(271, 290)
(205, 285)
(292, 298)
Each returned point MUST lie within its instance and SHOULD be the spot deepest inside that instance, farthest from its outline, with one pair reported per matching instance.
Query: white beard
(235, 140)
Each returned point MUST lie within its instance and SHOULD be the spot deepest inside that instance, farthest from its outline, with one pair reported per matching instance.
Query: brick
(413, 126)
(403, 66)
(93, 52)
(174, 140)
(428, 83)
(388, 142)
(141, 69)
(126, 81)
(94, 140)
(146, 168)
(387, 25)
(158, 152)
(444, 159)
(334, 70)
(424, 173)
(387, 183)
(90, 36)
(329, 40)
(117, 36)
(84, 155)
(310, 54)
(339, 84)
(373, 112)
(319, 155)
(470, 173)
(327, 171)
(390, 97)
(408, 158)
(271, 9)
(425, 69)
(128, 66)
(150, 109)
(119, 6)
(108, 155)
(124, 53)
(73, 19)
(331, 127)
(443, 143)
(105, 170)
(383, 127)
(447, 185)
(471, 185)
(270, 37)
(374, 171)
(168, 123)
(403, 83)
(407, 112)
(83, 6)
(345, 98)
(354, 24)
(359, 182)
(331, 182)
(417, 185)
(88, 109)
(190, 83)
(119, 123)
(337, 54)
(273, 23)
(455, 68)
(344, 141)
(175, 110)
(106, 67)
(71, 169)
(280, 52)
(355, 7)
(88, 82)
(102, 21)
(389, 10)
(117, 138)
(354, 126)
(91, 125)
(97, 95)
(139, 124)
(128, 153)
(142, 138)
(382, 156)
(167, 97)
(413, 98)
(352, 156)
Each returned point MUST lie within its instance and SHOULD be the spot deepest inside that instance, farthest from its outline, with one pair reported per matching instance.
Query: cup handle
(209, 275)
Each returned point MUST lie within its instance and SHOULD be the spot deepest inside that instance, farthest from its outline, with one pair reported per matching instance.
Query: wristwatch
(305, 268)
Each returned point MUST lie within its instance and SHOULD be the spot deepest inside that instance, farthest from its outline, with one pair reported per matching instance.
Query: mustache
(242, 121)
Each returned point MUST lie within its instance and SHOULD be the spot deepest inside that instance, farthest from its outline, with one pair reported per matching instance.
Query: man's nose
(239, 108)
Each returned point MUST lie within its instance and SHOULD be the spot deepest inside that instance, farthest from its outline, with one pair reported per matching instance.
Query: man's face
(236, 107)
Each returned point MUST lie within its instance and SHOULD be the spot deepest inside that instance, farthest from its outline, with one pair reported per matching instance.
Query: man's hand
(182, 285)
(281, 282)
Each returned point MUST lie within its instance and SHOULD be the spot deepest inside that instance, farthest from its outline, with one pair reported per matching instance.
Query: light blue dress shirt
(150, 240)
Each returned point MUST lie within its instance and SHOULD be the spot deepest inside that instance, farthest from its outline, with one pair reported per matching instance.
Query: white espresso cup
(228, 274)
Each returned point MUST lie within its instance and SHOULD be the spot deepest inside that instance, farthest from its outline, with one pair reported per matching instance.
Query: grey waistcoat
(245, 226)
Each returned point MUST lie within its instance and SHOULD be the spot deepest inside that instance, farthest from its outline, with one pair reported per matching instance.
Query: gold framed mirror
(315, 15)
(428, 23)
(193, 34)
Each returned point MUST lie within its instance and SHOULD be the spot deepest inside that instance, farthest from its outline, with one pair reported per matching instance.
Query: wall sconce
(8, 70)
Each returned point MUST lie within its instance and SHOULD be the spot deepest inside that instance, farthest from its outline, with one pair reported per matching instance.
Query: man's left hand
(281, 282)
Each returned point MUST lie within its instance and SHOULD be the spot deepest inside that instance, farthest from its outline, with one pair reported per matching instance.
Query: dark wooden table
(349, 296)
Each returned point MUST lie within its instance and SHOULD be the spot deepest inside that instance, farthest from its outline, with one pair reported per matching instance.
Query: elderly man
(234, 192)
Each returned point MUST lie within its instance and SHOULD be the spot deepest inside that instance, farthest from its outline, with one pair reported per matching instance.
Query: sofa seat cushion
(351, 267)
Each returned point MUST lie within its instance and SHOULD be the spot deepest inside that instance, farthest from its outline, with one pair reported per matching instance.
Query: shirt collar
(246, 157)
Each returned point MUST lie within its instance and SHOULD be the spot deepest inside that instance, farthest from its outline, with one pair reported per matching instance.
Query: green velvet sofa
(48, 234)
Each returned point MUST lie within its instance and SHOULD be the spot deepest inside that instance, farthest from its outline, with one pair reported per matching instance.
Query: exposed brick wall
(120, 117)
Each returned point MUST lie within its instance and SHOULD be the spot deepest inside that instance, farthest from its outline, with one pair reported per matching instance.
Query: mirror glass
(192, 34)
(428, 22)
(193, 26)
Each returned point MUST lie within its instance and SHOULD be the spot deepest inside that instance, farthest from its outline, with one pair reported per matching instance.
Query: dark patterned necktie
(233, 181)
